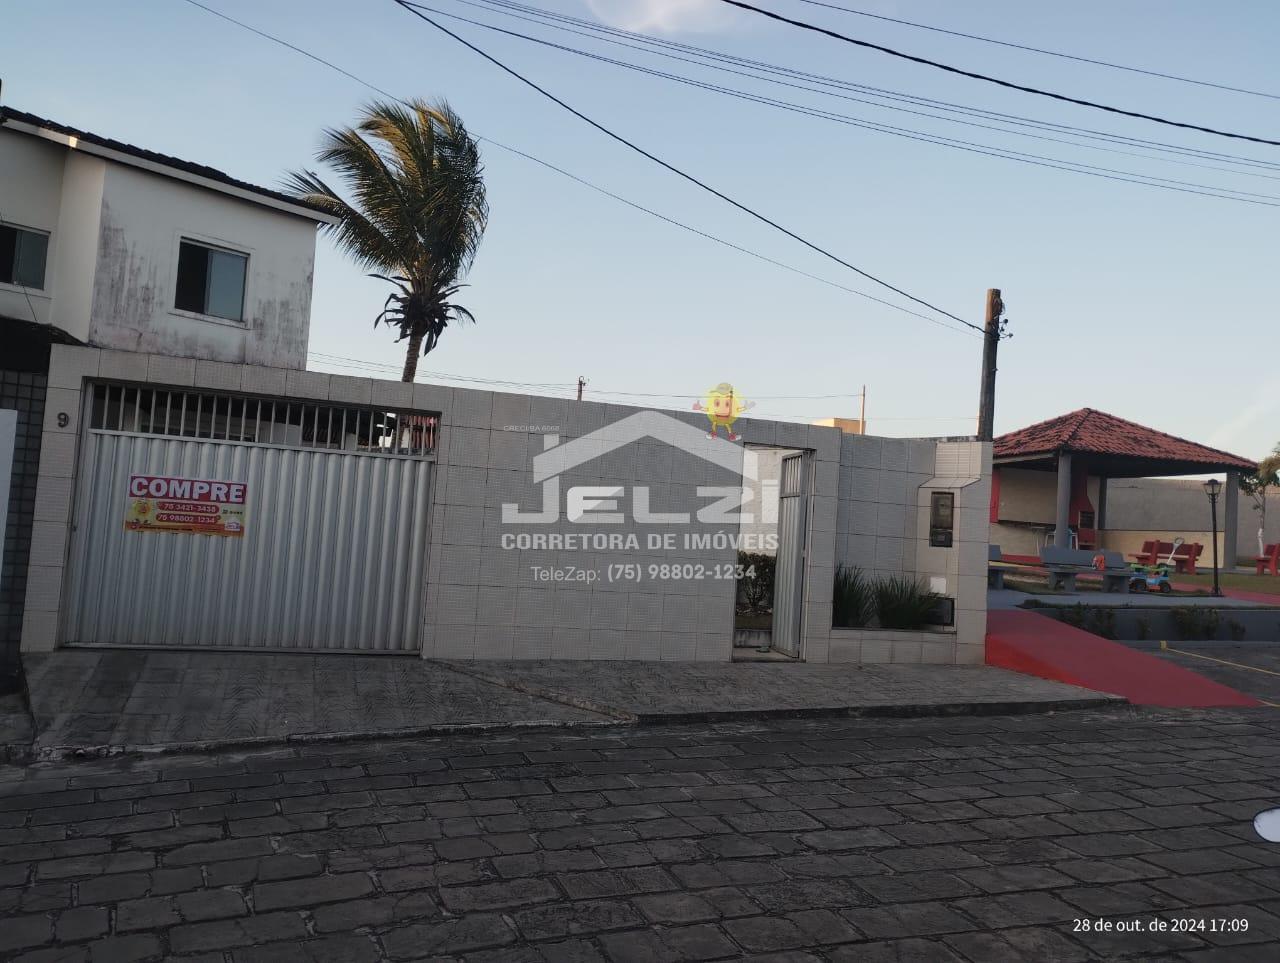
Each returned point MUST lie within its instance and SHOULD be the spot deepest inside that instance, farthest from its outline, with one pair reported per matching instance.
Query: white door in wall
(788, 585)
(217, 521)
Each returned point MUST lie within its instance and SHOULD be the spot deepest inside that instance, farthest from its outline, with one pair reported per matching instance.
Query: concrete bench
(1064, 564)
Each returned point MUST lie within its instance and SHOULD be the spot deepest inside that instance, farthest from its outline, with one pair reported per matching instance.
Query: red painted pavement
(1035, 644)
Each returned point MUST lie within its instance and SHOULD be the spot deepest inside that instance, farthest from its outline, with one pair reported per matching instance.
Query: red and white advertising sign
(163, 503)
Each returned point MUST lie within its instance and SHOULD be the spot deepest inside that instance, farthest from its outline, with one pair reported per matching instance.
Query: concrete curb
(889, 711)
(54, 753)
(515, 685)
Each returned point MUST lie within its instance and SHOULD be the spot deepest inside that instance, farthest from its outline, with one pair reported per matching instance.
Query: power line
(675, 170)
(835, 35)
(716, 60)
(581, 180)
(340, 361)
(729, 244)
(1037, 160)
(557, 21)
(1041, 50)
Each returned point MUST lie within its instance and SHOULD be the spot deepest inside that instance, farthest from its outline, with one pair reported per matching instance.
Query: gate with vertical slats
(788, 585)
(333, 550)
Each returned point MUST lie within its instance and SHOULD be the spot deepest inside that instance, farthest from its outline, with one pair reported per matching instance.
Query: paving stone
(576, 919)
(210, 904)
(347, 948)
(374, 911)
(920, 919)
(20, 932)
(94, 865)
(423, 940)
(245, 931)
(124, 949)
(916, 886)
(310, 891)
(896, 951)
(146, 914)
(762, 934)
(516, 892)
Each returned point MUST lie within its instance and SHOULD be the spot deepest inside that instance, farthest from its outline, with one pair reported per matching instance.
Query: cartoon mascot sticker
(723, 406)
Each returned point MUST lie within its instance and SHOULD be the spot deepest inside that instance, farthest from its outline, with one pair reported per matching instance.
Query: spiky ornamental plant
(417, 214)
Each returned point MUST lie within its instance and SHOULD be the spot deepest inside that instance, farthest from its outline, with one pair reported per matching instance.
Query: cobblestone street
(972, 838)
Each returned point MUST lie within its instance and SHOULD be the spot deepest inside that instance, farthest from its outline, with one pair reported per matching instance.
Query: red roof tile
(1098, 433)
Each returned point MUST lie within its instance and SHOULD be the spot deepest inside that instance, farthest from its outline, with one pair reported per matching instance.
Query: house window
(22, 256)
(211, 280)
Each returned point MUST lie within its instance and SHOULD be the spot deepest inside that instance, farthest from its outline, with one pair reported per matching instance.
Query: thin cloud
(663, 16)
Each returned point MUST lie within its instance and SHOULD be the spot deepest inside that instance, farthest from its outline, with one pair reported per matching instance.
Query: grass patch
(1267, 584)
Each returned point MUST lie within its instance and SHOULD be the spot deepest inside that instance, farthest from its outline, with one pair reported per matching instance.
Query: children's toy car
(1151, 581)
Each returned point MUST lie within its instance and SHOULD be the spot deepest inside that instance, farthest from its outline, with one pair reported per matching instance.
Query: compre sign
(159, 503)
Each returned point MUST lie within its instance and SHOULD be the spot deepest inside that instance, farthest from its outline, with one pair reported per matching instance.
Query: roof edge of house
(199, 175)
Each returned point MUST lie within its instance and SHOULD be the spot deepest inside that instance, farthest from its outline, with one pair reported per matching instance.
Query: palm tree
(418, 215)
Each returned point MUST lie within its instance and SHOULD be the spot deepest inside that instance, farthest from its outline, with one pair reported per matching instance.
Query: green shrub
(852, 602)
(1073, 615)
(755, 590)
(1237, 629)
(1144, 626)
(903, 603)
(1103, 622)
(1195, 622)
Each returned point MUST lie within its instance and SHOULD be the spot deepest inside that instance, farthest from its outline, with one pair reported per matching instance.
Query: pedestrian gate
(788, 586)
(326, 549)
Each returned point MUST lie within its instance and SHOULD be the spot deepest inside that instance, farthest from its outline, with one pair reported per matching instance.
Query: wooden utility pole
(862, 417)
(990, 344)
(582, 383)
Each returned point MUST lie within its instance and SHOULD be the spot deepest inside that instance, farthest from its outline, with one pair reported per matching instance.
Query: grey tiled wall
(25, 392)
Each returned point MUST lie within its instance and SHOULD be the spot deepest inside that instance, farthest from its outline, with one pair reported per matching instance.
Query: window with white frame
(211, 280)
(22, 256)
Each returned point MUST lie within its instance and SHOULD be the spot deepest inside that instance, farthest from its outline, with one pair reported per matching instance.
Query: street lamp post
(1211, 488)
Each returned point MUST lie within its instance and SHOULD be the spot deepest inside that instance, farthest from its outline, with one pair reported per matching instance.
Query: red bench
(1148, 554)
(1184, 559)
(1268, 562)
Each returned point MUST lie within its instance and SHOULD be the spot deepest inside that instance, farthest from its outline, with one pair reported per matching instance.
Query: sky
(1153, 305)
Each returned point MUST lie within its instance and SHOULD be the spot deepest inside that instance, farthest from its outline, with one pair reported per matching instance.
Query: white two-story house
(108, 244)
(121, 247)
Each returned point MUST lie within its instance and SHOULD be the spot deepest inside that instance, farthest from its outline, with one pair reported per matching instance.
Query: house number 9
(64, 419)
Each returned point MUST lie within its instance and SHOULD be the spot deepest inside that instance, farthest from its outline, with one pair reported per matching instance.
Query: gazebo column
(1230, 522)
(1061, 531)
(1100, 518)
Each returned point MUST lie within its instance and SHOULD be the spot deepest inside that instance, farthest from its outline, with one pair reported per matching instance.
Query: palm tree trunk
(411, 357)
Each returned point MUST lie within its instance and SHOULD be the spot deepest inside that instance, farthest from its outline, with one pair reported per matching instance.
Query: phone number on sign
(666, 572)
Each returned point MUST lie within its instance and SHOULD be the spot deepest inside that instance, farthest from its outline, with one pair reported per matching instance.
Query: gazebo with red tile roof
(1093, 442)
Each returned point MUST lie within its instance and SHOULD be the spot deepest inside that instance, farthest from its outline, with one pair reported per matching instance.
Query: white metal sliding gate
(788, 585)
(333, 549)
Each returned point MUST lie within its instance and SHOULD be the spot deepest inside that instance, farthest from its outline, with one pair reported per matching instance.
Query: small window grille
(244, 419)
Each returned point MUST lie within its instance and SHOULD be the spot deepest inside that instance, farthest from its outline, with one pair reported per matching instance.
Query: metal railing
(247, 419)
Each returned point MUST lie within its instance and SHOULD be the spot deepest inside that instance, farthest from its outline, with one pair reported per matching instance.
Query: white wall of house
(868, 504)
(114, 231)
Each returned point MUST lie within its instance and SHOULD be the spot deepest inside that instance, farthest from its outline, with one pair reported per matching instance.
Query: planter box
(872, 646)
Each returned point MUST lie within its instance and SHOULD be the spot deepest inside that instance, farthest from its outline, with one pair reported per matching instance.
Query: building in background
(108, 244)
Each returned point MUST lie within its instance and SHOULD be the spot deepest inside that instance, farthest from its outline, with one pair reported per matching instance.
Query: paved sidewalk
(933, 840)
(92, 702)
(702, 691)
(15, 728)
(99, 701)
